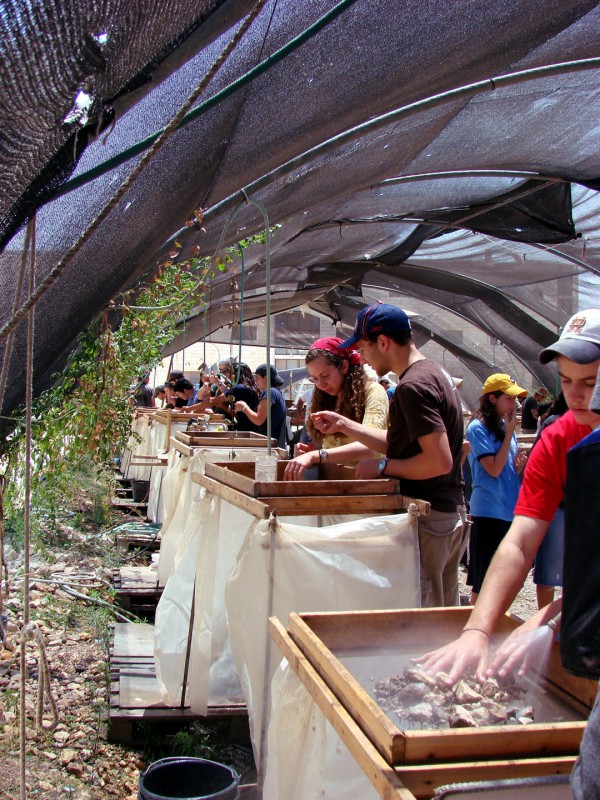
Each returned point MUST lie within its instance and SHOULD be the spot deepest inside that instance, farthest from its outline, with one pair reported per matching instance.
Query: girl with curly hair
(340, 385)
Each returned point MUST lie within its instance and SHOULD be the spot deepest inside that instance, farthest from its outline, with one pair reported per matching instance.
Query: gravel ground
(525, 604)
(75, 759)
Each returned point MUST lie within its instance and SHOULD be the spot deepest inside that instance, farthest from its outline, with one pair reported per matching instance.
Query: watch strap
(382, 466)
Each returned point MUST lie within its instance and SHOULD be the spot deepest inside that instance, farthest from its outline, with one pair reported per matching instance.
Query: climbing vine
(84, 420)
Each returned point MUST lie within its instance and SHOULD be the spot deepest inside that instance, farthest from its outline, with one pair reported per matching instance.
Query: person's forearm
(348, 453)
(374, 439)
(219, 401)
(252, 415)
(546, 614)
(201, 406)
(417, 468)
(496, 463)
(255, 417)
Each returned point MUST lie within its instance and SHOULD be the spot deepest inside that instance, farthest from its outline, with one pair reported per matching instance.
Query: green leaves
(84, 420)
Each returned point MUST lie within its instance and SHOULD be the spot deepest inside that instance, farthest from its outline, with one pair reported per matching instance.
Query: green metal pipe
(239, 83)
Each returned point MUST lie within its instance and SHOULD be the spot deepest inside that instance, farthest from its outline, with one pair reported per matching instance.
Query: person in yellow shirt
(341, 385)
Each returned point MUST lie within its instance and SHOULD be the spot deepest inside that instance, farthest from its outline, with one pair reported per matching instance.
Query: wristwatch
(323, 456)
(381, 465)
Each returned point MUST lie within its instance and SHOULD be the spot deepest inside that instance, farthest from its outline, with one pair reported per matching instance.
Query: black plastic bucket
(140, 491)
(188, 779)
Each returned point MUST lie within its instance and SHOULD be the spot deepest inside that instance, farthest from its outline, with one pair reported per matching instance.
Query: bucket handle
(170, 759)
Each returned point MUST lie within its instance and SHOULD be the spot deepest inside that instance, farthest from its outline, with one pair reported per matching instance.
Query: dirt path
(74, 759)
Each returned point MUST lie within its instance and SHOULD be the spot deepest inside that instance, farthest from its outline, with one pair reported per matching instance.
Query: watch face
(381, 465)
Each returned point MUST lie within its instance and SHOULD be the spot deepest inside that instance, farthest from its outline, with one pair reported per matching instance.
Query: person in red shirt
(577, 353)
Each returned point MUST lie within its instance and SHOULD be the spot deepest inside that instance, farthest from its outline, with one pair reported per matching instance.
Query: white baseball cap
(579, 341)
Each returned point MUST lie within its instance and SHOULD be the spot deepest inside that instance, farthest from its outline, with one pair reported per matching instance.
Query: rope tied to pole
(31, 632)
(4, 583)
(31, 227)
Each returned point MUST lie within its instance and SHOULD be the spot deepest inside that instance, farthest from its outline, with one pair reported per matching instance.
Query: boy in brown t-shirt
(423, 443)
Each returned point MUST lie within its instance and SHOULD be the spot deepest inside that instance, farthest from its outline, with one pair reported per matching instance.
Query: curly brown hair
(353, 394)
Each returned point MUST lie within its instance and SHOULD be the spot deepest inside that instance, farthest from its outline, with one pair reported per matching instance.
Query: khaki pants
(442, 539)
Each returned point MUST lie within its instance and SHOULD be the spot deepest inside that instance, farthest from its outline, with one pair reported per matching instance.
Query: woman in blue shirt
(495, 466)
(278, 409)
(241, 387)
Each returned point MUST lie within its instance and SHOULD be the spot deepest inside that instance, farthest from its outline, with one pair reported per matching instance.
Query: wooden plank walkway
(137, 588)
(135, 696)
(138, 538)
(128, 506)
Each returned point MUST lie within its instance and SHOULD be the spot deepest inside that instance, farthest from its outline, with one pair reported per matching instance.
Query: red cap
(331, 344)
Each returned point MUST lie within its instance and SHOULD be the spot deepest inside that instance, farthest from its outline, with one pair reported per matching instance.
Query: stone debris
(415, 697)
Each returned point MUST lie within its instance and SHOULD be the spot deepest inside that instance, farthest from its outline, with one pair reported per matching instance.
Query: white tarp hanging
(160, 436)
(214, 678)
(365, 564)
(138, 445)
(172, 622)
(180, 490)
(198, 547)
(177, 465)
(299, 735)
(212, 536)
(177, 490)
(155, 511)
(156, 506)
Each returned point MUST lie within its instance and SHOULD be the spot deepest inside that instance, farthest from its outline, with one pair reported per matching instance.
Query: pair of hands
(526, 649)
(327, 423)
(306, 455)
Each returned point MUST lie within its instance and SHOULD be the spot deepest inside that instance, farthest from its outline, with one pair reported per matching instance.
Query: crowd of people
(234, 391)
(408, 424)
(423, 447)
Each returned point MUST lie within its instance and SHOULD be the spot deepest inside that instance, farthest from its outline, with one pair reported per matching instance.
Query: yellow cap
(499, 382)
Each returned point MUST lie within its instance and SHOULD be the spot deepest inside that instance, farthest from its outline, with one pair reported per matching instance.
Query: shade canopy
(441, 156)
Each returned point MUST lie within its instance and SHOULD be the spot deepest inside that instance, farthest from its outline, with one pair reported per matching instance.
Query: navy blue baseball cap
(379, 318)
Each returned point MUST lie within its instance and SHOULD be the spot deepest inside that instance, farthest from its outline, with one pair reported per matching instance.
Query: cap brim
(577, 350)
(515, 391)
(351, 342)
